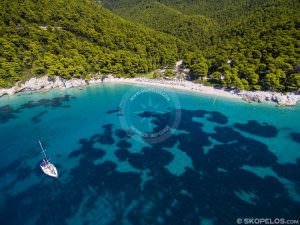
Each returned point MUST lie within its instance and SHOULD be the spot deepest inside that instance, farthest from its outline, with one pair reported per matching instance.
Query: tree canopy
(75, 38)
(245, 44)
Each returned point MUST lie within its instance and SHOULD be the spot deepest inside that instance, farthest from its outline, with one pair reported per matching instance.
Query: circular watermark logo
(150, 114)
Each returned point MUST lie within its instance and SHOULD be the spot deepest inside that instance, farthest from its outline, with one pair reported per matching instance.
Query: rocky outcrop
(36, 84)
(75, 83)
(44, 83)
(95, 81)
(289, 99)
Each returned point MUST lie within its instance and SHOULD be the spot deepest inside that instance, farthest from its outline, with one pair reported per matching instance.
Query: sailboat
(47, 167)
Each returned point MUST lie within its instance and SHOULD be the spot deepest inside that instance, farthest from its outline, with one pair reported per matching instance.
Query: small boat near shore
(46, 166)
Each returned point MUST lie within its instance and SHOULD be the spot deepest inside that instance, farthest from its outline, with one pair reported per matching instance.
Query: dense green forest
(245, 44)
(76, 38)
(194, 29)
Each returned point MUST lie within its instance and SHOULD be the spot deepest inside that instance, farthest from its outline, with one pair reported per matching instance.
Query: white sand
(176, 84)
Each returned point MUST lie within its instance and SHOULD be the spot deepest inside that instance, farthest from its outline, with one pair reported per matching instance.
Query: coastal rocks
(36, 84)
(75, 83)
(95, 81)
(9, 91)
(44, 83)
(109, 78)
(251, 96)
(58, 82)
(289, 99)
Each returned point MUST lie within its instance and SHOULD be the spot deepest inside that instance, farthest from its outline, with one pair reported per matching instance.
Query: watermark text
(270, 221)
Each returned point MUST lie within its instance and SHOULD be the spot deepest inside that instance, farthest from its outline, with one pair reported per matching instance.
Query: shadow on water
(117, 110)
(37, 117)
(253, 127)
(7, 112)
(107, 137)
(122, 134)
(215, 188)
(124, 144)
(296, 137)
(289, 171)
(55, 102)
(90, 152)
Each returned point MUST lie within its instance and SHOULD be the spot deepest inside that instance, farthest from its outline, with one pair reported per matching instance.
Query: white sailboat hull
(49, 169)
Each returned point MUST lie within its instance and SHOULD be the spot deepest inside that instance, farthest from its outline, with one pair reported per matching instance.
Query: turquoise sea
(136, 155)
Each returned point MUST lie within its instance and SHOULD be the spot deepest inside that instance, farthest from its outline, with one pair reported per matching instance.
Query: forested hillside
(263, 51)
(195, 29)
(223, 11)
(75, 38)
(245, 44)
(250, 44)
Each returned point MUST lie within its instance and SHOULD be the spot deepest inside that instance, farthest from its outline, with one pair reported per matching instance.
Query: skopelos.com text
(269, 221)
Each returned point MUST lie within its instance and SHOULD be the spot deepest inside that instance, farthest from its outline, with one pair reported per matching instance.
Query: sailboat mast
(43, 150)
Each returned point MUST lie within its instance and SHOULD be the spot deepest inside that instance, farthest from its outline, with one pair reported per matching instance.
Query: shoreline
(176, 85)
(46, 83)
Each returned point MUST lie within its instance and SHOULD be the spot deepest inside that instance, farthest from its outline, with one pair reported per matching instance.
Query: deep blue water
(131, 155)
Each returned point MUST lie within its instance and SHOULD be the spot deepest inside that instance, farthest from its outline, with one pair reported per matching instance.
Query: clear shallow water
(222, 160)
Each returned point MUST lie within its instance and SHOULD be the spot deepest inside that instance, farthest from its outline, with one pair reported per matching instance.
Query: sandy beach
(178, 85)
